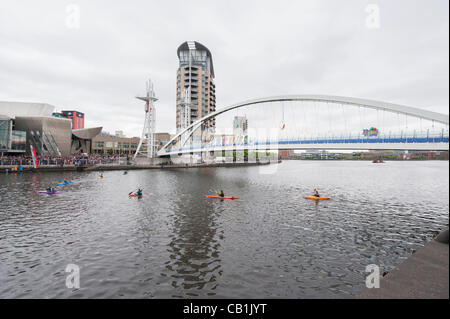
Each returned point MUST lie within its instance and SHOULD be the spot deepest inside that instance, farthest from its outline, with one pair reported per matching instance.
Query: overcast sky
(260, 48)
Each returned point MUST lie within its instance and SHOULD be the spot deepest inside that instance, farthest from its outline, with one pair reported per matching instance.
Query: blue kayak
(64, 183)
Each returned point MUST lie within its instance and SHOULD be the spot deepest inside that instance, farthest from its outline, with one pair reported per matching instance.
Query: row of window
(114, 145)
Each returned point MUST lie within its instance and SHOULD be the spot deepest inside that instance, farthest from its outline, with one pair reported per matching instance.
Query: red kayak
(136, 195)
(215, 196)
(316, 198)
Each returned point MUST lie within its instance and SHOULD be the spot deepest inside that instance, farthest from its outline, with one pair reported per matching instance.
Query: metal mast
(148, 134)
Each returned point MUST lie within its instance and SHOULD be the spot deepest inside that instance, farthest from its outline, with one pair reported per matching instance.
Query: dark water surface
(174, 243)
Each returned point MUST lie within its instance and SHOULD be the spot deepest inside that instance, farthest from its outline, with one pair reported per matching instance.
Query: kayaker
(316, 193)
(139, 192)
(221, 194)
(50, 190)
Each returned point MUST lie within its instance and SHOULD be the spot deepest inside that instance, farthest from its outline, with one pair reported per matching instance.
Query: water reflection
(194, 261)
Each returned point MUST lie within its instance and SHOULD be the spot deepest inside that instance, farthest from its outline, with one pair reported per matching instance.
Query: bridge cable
(378, 117)
(294, 117)
(360, 121)
(329, 121)
(345, 121)
(304, 120)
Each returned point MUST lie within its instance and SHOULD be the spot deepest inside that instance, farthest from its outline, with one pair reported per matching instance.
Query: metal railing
(382, 139)
(12, 161)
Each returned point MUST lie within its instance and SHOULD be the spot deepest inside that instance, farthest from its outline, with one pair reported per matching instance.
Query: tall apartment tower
(195, 85)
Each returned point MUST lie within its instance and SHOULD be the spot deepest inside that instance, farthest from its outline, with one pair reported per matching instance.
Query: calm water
(272, 243)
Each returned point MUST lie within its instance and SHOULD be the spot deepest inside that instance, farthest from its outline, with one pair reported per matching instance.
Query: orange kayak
(315, 197)
(215, 196)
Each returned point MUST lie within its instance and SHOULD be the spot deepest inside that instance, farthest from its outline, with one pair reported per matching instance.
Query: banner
(33, 154)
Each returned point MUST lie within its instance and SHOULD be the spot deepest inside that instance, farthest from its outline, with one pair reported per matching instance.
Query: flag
(33, 155)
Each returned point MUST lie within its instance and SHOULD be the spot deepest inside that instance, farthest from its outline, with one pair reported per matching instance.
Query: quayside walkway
(110, 167)
(424, 275)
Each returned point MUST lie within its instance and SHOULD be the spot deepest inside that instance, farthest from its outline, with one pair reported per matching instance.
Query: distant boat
(377, 161)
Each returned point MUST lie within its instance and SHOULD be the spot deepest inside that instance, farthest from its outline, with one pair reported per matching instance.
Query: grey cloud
(259, 48)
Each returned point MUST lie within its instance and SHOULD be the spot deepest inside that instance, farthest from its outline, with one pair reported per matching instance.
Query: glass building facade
(195, 76)
(5, 134)
(10, 139)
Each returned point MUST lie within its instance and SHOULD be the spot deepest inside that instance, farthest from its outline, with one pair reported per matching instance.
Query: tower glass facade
(195, 76)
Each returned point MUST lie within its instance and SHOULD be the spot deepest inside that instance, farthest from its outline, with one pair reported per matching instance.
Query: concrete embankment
(424, 275)
(108, 167)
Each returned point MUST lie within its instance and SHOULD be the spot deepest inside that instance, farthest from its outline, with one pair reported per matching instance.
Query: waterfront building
(195, 78)
(59, 115)
(110, 144)
(105, 143)
(76, 117)
(161, 139)
(35, 124)
(119, 134)
(318, 155)
(12, 141)
(285, 154)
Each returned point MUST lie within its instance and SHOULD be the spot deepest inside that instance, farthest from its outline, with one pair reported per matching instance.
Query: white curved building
(25, 109)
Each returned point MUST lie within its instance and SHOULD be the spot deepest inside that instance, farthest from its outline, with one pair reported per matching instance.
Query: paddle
(134, 191)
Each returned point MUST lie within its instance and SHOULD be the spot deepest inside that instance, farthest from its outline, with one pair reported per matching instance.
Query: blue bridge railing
(360, 140)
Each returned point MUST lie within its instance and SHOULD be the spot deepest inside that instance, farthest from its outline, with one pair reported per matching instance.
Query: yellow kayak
(315, 197)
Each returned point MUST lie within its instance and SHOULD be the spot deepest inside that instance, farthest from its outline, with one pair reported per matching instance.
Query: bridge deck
(430, 144)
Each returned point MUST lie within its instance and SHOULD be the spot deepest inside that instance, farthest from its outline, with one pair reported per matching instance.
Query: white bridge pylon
(338, 100)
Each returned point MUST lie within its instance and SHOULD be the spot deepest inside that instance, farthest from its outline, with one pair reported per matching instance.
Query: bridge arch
(341, 100)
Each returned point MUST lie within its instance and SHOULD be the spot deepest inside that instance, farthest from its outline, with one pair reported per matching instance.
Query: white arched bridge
(303, 122)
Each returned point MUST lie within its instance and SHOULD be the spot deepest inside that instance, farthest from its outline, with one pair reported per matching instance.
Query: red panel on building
(76, 117)
(284, 154)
